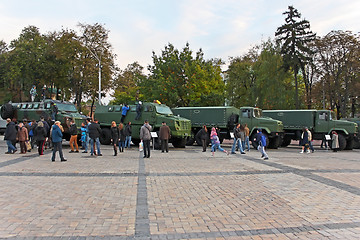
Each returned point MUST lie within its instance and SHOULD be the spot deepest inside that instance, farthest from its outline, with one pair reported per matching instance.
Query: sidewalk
(183, 194)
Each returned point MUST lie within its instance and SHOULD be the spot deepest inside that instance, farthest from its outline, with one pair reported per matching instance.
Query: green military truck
(225, 119)
(36, 110)
(357, 138)
(319, 122)
(153, 112)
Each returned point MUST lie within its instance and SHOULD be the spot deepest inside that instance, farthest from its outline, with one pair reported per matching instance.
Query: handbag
(28, 145)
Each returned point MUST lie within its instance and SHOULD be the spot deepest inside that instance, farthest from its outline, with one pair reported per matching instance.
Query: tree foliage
(179, 79)
(295, 37)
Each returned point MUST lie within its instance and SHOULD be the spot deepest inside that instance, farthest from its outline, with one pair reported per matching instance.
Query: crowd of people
(49, 134)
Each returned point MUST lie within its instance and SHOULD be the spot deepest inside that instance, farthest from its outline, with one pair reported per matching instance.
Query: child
(215, 142)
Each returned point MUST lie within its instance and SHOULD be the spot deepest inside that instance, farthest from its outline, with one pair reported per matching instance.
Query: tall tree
(126, 85)
(295, 37)
(179, 79)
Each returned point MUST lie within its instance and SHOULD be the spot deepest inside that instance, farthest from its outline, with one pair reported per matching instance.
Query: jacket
(145, 132)
(124, 110)
(22, 134)
(164, 132)
(94, 130)
(202, 134)
(56, 134)
(73, 130)
(236, 132)
(114, 135)
(128, 130)
(40, 133)
(10, 132)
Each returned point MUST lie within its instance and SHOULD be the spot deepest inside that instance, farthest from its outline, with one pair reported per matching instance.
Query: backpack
(263, 140)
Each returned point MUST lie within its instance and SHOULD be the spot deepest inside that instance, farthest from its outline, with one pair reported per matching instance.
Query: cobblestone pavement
(183, 194)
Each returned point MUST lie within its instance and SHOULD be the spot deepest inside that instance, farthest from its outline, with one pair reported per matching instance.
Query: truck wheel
(7, 111)
(357, 143)
(274, 142)
(179, 142)
(342, 142)
(105, 137)
(350, 143)
(190, 141)
(286, 142)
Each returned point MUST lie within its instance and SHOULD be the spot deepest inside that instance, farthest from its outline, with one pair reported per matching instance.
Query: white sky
(222, 28)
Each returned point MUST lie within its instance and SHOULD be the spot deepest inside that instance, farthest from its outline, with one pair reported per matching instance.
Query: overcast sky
(222, 28)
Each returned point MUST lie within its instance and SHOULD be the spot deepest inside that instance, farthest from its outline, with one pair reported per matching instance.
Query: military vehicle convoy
(225, 119)
(36, 110)
(155, 113)
(319, 122)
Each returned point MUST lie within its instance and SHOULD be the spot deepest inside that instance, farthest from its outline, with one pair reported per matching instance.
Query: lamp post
(99, 65)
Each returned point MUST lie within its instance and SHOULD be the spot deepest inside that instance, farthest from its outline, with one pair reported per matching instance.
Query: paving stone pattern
(183, 194)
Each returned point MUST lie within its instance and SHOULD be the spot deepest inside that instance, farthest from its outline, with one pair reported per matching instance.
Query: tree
(338, 64)
(127, 84)
(295, 37)
(179, 79)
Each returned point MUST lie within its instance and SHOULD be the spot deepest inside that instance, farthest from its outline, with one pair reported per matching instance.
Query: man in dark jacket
(10, 136)
(56, 136)
(73, 139)
(164, 135)
(203, 135)
(94, 134)
(128, 133)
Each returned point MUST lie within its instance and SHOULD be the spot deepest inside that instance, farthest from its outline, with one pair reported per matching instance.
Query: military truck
(225, 119)
(319, 122)
(155, 113)
(357, 138)
(36, 110)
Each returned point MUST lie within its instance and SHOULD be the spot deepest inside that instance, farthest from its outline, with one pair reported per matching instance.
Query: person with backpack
(261, 141)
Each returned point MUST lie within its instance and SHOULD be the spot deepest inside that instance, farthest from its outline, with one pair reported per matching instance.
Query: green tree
(179, 79)
(3, 55)
(127, 84)
(295, 37)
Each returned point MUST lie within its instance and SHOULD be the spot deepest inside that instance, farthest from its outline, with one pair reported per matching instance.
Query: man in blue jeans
(237, 140)
(10, 136)
(94, 134)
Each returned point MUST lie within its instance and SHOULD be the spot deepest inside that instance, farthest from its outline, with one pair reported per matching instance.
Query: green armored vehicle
(225, 119)
(319, 122)
(153, 112)
(36, 110)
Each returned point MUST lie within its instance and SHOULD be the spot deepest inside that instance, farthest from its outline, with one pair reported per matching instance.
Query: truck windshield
(66, 107)
(257, 113)
(164, 110)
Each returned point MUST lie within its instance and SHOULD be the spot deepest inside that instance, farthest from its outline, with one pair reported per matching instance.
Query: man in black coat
(94, 134)
(10, 136)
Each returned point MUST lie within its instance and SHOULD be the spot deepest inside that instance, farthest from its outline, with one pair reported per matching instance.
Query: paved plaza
(183, 194)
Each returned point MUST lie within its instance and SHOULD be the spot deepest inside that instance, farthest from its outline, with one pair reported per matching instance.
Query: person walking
(124, 111)
(145, 136)
(335, 141)
(237, 140)
(215, 142)
(94, 134)
(247, 137)
(128, 132)
(22, 136)
(304, 141)
(10, 136)
(73, 139)
(164, 135)
(56, 136)
(40, 137)
(203, 136)
(121, 137)
(310, 140)
(261, 142)
(114, 136)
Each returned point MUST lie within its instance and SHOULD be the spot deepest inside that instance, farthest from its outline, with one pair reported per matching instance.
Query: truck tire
(190, 141)
(7, 111)
(274, 143)
(179, 142)
(105, 137)
(342, 142)
(286, 142)
(350, 142)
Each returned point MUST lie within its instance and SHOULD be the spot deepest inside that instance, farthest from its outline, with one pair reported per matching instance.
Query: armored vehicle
(319, 122)
(153, 112)
(35, 110)
(225, 119)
